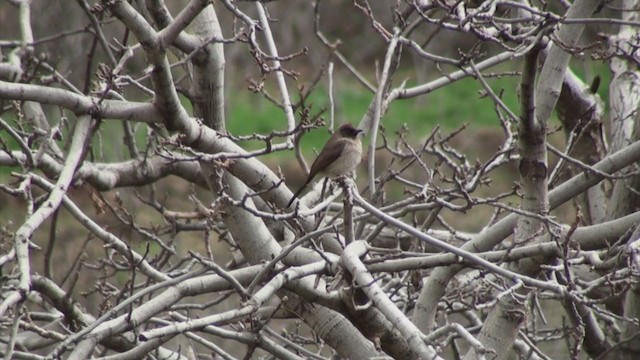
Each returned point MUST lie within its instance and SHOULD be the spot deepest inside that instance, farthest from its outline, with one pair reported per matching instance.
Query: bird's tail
(298, 192)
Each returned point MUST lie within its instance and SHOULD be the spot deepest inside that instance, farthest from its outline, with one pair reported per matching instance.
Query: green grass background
(448, 107)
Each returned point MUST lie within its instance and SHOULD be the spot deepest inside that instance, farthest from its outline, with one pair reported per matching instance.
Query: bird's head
(348, 131)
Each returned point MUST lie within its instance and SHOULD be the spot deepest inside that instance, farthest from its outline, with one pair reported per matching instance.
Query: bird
(339, 156)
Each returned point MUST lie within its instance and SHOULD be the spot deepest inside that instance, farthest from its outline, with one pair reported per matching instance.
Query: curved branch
(81, 105)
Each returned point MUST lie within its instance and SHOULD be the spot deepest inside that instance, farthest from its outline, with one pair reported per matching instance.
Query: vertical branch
(348, 213)
(554, 68)
(282, 84)
(14, 332)
(48, 265)
(533, 153)
(332, 107)
(624, 97)
(25, 24)
(378, 111)
(502, 325)
(208, 72)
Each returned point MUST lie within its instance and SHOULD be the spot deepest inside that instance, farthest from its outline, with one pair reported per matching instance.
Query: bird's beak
(360, 133)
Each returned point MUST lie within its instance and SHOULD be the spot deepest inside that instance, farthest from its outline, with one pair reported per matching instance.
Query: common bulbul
(339, 156)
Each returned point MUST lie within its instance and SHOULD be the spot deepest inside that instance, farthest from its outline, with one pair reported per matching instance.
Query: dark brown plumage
(339, 156)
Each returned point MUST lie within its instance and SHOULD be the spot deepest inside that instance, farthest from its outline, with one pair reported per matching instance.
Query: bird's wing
(330, 152)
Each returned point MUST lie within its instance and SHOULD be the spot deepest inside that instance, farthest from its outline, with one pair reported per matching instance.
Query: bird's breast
(349, 158)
